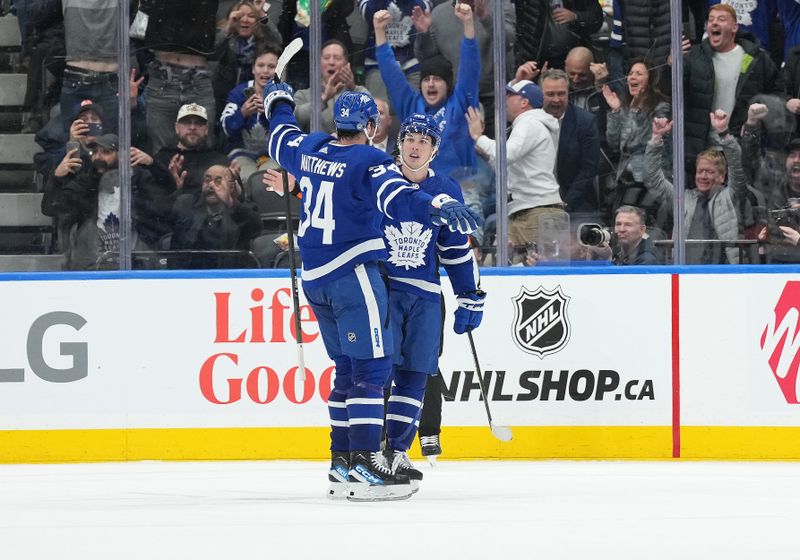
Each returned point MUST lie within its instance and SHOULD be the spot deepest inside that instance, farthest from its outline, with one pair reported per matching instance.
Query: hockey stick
(280, 68)
(502, 433)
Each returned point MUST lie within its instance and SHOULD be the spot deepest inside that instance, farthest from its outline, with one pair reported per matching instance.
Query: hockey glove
(469, 312)
(447, 211)
(274, 93)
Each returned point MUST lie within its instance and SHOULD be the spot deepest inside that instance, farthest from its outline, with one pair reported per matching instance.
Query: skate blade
(414, 486)
(337, 491)
(432, 459)
(379, 494)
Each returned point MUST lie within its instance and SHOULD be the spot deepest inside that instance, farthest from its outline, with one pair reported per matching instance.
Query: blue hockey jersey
(246, 136)
(414, 245)
(457, 148)
(347, 190)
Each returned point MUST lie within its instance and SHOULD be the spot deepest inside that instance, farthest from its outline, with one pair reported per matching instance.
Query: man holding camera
(87, 205)
(61, 135)
(628, 245)
(633, 247)
(776, 174)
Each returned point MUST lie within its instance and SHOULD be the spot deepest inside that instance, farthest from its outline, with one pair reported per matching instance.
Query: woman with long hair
(243, 34)
(627, 133)
(630, 116)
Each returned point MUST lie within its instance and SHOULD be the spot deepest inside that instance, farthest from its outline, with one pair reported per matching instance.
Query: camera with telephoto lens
(789, 217)
(593, 235)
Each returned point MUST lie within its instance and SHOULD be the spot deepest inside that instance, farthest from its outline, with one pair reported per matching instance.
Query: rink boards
(657, 363)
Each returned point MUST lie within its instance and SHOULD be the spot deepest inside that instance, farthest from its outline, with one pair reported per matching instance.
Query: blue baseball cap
(529, 91)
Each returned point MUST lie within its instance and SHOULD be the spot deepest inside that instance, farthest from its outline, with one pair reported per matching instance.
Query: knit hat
(793, 145)
(437, 66)
(87, 105)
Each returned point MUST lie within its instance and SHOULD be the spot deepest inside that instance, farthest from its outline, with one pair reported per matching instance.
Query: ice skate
(372, 480)
(338, 475)
(401, 464)
(431, 448)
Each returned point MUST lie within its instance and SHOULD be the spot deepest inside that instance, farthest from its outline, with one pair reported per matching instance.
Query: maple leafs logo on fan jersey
(408, 244)
(744, 10)
(398, 32)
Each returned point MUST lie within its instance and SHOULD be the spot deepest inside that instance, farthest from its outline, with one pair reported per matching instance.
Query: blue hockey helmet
(421, 124)
(353, 110)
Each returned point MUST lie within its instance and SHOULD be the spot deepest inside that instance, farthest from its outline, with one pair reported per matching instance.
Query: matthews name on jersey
(413, 245)
(341, 216)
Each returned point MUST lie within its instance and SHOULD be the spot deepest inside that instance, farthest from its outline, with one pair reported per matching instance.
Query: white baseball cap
(192, 109)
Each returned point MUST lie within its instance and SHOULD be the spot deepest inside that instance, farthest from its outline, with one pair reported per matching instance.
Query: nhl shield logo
(541, 326)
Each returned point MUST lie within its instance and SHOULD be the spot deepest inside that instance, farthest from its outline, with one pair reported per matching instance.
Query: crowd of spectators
(589, 138)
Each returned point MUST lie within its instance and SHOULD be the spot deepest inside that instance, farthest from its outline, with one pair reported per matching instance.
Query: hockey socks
(365, 402)
(403, 409)
(365, 413)
(340, 422)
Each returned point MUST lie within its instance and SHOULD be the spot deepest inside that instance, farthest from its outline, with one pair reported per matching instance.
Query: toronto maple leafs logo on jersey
(398, 32)
(408, 244)
(744, 10)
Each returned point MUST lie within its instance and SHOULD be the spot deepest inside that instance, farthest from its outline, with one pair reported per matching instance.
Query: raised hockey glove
(469, 312)
(447, 211)
(274, 93)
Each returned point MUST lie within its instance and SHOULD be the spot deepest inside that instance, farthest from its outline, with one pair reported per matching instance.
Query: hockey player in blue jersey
(415, 251)
(347, 188)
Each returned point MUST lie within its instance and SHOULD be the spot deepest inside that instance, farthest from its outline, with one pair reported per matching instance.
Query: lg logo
(78, 351)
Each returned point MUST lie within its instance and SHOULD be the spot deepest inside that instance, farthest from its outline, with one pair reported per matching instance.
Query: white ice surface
(464, 510)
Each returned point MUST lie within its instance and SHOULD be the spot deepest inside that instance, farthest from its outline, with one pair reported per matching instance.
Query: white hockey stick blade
(288, 53)
(502, 433)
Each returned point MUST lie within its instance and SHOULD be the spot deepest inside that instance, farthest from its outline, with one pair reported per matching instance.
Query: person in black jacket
(213, 220)
(334, 26)
(578, 145)
(789, 86)
(707, 88)
(87, 204)
(181, 35)
(547, 35)
(641, 29)
(632, 247)
(181, 168)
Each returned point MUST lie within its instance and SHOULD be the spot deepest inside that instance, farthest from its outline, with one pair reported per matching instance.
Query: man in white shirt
(533, 191)
(727, 58)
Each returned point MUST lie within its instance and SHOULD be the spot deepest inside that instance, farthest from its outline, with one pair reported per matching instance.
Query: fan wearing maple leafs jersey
(415, 251)
(401, 35)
